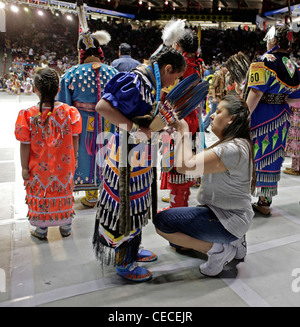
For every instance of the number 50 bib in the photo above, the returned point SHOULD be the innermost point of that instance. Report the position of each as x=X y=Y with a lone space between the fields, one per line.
x=257 y=74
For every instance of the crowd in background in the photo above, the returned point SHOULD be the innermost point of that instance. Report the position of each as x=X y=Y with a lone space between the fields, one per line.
x=30 y=43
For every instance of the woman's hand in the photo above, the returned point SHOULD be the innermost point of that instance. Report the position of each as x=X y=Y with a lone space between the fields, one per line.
x=25 y=174
x=146 y=131
x=181 y=126
x=143 y=134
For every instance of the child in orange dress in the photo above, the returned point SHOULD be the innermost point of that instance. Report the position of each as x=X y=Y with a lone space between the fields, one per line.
x=49 y=134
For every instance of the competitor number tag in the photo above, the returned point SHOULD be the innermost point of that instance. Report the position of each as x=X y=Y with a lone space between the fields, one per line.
x=257 y=74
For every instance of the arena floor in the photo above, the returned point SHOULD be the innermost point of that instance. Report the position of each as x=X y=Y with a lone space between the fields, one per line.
x=64 y=272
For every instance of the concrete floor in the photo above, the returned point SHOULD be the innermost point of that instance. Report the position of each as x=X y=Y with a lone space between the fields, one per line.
x=64 y=272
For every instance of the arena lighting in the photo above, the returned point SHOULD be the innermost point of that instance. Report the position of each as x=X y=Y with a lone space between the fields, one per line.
x=40 y=13
x=71 y=7
x=69 y=17
x=2 y=5
x=14 y=8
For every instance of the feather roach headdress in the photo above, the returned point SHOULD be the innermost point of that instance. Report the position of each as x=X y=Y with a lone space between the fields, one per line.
x=171 y=33
x=89 y=43
x=283 y=34
x=181 y=101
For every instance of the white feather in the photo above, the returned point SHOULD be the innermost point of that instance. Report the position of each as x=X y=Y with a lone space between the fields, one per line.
x=173 y=31
x=81 y=10
x=102 y=36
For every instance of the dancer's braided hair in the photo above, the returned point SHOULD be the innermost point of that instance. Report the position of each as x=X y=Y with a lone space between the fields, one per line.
x=238 y=66
x=46 y=80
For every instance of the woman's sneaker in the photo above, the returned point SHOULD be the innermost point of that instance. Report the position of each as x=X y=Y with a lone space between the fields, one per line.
x=241 y=248
x=218 y=260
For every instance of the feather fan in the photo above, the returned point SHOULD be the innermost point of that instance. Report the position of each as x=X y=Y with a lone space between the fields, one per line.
x=181 y=101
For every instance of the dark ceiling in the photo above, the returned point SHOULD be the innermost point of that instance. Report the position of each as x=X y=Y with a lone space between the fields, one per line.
x=234 y=10
x=191 y=10
x=194 y=5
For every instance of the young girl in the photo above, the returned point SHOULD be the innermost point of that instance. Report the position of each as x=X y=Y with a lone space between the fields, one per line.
x=49 y=134
x=219 y=225
x=125 y=193
x=180 y=184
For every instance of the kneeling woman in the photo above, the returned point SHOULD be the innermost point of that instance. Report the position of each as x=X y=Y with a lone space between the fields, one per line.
x=218 y=226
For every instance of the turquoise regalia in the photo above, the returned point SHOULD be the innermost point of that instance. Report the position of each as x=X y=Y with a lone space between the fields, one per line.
x=82 y=87
x=278 y=78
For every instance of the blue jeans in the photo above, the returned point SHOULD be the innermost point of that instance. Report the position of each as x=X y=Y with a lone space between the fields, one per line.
x=213 y=107
x=198 y=222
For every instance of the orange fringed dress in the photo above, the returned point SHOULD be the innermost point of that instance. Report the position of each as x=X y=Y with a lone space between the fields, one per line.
x=49 y=191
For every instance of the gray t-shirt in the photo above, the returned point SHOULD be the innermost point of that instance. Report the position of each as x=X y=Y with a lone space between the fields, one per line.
x=228 y=194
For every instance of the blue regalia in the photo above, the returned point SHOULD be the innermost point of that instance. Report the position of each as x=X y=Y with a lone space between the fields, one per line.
x=80 y=87
x=278 y=78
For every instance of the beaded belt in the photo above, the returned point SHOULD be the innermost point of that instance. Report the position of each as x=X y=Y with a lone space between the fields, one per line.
x=89 y=106
x=273 y=98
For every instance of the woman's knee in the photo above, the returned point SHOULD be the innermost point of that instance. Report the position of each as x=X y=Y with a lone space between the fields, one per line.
x=159 y=221
x=159 y=217
x=170 y=220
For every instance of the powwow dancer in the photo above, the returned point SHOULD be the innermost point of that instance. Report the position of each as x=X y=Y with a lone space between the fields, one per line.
x=125 y=202
x=128 y=189
x=82 y=86
x=274 y=83
x=179 y=184
x=49 y=134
